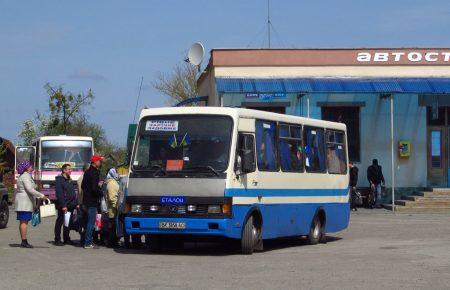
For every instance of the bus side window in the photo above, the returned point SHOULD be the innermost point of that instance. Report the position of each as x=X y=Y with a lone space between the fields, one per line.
x=290 y=148
x=266 y=145
x=336 y=155
x=315 y=159
x=245 y=155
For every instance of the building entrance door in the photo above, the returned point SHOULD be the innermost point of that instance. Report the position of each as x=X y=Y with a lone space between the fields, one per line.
x=437 y=161
x=438 y=153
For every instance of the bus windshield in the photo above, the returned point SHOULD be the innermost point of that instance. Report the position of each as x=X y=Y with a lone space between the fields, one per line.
x=187 y=144
x=55 y=153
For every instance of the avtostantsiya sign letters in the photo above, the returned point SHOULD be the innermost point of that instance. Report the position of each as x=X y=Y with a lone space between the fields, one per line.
x=402 y=56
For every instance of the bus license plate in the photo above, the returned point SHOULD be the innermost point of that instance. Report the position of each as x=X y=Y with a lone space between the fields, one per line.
x=172 y=225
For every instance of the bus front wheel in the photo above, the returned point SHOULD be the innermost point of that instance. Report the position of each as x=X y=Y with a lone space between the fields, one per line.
x=316 y=232
x=251 y=236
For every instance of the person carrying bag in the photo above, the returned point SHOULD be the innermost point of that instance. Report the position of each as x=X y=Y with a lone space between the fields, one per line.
x=66 y=202
x=25 y=200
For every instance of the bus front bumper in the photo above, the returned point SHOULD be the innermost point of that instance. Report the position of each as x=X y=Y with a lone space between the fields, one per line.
x=224 y=227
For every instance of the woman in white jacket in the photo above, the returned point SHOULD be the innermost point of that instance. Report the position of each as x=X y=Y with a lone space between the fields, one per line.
x=25 y=200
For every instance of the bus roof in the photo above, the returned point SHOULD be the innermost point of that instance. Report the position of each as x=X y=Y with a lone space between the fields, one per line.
x=240 y=112
x=65 y=138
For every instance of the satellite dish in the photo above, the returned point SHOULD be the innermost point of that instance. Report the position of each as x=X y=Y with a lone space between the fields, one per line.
x=196 y=54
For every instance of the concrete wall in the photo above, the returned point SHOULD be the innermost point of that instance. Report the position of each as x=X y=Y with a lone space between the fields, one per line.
x=409 y=124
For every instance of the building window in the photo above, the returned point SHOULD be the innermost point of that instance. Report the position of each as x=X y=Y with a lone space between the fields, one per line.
x=290 y=148
x=350 y=117
x=336 y=156
x=266 y=146
x=314 y=149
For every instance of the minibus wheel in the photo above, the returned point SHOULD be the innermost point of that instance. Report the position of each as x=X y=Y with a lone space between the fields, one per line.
x=316 y=231
x=251 y=236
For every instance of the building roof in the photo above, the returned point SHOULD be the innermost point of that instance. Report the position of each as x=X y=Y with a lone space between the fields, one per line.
x=327 y=57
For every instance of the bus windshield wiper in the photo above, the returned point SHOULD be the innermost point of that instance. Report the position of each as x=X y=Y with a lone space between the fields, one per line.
x=207 y=167
x=159 y=169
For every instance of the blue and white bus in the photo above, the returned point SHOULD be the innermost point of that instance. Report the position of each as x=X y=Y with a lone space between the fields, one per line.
x=236 y=173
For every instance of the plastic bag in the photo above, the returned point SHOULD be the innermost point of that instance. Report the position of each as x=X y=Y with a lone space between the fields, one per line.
x=103 y=206
x=75 y=221
x=67 y=216
x=98 y=222
x=35 y=219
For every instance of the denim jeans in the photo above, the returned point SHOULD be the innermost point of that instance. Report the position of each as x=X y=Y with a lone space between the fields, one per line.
x=91 y=215
x=378 y=194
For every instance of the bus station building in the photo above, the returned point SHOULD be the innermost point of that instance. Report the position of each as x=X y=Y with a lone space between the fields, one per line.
x=356 y=87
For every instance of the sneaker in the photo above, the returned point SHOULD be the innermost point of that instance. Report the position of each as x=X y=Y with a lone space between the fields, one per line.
x=90 y=247
x=58 y=243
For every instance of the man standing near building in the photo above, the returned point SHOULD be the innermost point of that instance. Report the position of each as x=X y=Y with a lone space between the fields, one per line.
x=376 y=178
x=66 y=201
x=92 y=192
x=352 y=184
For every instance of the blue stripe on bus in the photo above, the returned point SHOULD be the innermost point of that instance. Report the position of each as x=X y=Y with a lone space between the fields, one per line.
x=284 y=192
x=280 y=220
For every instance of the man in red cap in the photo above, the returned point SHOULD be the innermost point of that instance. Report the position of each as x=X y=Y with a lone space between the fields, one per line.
x=92 y=193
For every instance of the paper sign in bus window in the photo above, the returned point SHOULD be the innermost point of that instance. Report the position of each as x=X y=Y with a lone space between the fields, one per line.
x=162 y=126
x=174 y=165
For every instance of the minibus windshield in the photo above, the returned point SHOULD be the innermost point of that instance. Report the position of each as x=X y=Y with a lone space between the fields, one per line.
x=183 y=145
x=55 y=153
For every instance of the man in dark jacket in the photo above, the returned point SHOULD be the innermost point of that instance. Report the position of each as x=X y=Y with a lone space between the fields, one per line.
x=66 y=201
x=352 y=184
x=92 y=193
x=376 y=178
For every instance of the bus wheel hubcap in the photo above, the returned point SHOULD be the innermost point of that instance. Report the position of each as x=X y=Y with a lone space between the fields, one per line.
x=316 y=230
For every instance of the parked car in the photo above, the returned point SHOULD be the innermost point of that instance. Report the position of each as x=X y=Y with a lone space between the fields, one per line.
x=4 y=209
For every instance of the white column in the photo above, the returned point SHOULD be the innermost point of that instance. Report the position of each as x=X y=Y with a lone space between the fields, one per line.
x=307 y=106
x=392 y=154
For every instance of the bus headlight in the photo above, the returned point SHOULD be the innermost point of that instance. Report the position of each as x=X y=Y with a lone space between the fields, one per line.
x=191 y=208
x=214 y=209
x=154 y=208
x=136 y=208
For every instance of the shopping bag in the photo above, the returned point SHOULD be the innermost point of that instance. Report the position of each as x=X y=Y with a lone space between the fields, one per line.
x=35 y=219
x=98 y=222
x=67 y=216
x=75 y=220
x=47 y=209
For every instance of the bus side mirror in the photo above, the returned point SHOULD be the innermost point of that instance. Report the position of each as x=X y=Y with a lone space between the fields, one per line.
x=245 y=159
x=248 y=161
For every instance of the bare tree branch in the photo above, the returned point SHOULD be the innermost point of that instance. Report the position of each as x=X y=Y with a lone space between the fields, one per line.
x=179 y=85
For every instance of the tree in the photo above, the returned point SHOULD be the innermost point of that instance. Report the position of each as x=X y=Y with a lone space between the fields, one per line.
x=3 y=164
x=67 y=115
x=65 y=107
x=28 y=133
x=179 y=85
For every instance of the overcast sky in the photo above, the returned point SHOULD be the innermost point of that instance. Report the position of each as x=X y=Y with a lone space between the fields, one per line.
x=108 y=45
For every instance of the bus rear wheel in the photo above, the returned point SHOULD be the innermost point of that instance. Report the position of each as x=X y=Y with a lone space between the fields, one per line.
x=251 y=236
x=316 y=232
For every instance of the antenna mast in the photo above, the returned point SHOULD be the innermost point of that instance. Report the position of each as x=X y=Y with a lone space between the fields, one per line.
x=268 y=21
x=137 y=101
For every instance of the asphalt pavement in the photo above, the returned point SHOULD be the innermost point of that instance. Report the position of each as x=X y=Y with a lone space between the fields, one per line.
x=379 y=250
